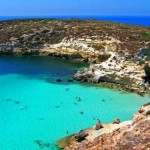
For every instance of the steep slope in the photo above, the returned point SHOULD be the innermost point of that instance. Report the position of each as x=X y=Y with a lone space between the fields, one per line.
x=118 y=52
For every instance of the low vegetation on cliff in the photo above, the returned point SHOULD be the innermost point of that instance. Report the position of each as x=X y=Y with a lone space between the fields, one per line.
x=35 y=32
x=119 y=54
x=118 y=51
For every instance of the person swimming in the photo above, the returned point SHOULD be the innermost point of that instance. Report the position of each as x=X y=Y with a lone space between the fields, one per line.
x=24 y=107
x=78 y=99
x=67 y=89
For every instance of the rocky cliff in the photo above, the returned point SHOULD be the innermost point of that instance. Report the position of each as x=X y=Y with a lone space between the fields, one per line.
x=118 y=53
x=73 y=36
x=128 y=135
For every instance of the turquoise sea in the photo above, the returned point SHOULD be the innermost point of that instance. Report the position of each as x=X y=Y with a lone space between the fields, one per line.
x=35 y=111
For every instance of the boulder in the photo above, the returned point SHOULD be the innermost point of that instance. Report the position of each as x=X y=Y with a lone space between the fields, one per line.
x=70 y=80
x=140 y=110
x=147 y=70
x=144 y=53
x=81 y=136
x=98 y=125
x=58 y=80
x=116 y=121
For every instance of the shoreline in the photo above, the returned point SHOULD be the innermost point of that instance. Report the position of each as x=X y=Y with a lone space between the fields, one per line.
x=103 y=84
x=113 y=135
x=119 y=57
x=109 y=85
x=117 y=53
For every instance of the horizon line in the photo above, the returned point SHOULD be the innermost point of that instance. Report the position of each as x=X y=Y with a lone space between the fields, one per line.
x=73 y=15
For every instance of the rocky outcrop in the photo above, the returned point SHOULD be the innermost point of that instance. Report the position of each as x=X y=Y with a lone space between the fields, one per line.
x=81 y=136
x=98 y=125
x=77 y=48
x=127 y=135
x=71 y=49
x=90 y=36
x=144 y=53
x=117 y=70
x=147 y=71
x=116 y=121
x=111 y=48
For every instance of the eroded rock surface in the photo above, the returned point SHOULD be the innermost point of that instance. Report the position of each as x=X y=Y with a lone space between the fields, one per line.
x=117 y=52
x=127 y=135
x=117 y=70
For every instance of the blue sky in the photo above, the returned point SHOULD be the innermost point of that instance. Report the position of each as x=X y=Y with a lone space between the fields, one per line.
x=74 y=7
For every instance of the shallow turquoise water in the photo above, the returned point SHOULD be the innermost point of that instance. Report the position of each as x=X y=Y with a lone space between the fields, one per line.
x=34 y=107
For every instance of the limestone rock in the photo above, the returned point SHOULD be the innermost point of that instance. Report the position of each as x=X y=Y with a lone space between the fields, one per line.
x=98 y=125
x=58 y=80
x=147 y=69
x=116 y=121
x=134 y=135
x=81 y=136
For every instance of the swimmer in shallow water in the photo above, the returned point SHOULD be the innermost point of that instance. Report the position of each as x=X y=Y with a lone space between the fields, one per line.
x=78 y=99
x=17 y=102
x=9 y=99
x=57 y=106
x=81 y=112
x=24 y=107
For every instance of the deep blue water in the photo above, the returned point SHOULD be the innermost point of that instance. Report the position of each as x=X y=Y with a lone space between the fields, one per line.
x=134 y=20
x=33 y=107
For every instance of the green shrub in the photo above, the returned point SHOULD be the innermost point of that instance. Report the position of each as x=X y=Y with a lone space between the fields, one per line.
x=146 y=34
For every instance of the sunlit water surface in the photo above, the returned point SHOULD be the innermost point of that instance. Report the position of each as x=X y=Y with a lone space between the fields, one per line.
x=35 y=109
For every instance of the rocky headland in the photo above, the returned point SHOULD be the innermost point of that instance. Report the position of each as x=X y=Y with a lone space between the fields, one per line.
x=128 y=135
x=119 y=54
